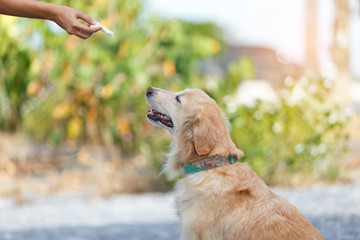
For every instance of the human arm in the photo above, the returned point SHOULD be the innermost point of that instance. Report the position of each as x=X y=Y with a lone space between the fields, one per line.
x=65 y=17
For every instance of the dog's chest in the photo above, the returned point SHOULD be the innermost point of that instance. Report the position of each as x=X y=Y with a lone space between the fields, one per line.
x=198 y=192
x=188 y=192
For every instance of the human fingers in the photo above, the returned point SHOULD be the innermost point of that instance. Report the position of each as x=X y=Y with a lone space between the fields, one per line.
x=82 y=34
x=87 y=28
x=83 y=16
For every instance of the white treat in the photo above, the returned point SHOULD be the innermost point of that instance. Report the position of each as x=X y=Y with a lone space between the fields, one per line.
x=104 y=29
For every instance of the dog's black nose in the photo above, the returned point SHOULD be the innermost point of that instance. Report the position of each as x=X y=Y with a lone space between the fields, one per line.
x=149 y=91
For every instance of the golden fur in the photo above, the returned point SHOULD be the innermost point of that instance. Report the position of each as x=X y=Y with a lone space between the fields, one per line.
x=225 y=203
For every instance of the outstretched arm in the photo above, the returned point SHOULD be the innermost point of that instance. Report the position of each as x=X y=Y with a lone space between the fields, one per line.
x=65 y=17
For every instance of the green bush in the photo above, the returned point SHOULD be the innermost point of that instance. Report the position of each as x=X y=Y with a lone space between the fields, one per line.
x=14 y=69
x=299 y=135
x=63 y=88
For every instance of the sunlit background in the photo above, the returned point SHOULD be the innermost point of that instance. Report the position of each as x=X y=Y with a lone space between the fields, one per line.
x=72 y=111
x=280 y=25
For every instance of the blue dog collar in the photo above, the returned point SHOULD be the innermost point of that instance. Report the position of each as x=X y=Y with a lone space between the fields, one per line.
x=209 y=163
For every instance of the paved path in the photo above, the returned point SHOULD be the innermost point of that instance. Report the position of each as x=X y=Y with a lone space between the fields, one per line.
x=334 y=210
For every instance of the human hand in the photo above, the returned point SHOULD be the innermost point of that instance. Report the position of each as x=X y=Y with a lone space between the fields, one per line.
x=67 y=18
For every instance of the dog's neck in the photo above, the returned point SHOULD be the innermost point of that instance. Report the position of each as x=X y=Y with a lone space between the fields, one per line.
x=183 y=153
x=209 y=163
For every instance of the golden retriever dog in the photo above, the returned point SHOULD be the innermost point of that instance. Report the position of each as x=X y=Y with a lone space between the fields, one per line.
x=219 y=197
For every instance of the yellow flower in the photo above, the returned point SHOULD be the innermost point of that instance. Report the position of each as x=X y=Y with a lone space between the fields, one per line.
x=123 y=124
x=169 y=68
x=33 y=88
x=214 y=46
x=74 y=128
x=61 y=110
x=107 y=91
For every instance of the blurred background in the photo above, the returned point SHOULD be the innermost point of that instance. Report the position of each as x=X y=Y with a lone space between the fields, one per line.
x=72 y=112
x=75 y=146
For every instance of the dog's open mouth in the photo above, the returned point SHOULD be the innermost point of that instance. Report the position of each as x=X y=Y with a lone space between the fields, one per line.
x=158 y=116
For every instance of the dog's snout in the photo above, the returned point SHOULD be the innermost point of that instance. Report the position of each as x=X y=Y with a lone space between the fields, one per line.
x=149 y=91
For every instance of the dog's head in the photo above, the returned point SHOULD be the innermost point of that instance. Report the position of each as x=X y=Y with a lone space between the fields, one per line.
x=196 y=123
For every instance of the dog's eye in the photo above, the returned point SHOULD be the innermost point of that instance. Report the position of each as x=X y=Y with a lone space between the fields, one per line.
x=178 y=99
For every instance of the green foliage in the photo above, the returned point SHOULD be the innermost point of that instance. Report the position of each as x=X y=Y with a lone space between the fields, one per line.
x=242 y=69
x=299 y=135
x=14 y=68
x=69 y=89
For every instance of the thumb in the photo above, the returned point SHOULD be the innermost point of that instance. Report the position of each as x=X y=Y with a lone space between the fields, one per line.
x=84 y=17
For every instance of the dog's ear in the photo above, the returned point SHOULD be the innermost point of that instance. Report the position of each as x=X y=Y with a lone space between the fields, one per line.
x=205 y=129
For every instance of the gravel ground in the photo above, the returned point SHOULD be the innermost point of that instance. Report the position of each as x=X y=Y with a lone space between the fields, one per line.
x=334 y=210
